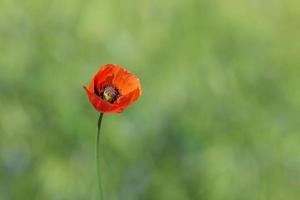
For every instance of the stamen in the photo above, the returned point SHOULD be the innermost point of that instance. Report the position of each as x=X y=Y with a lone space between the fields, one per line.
x=110 y=94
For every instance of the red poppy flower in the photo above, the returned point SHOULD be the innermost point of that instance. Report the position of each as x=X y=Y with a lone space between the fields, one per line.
x=113 y=88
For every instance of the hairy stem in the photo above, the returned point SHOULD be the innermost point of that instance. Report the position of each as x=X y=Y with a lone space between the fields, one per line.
x=98 y=157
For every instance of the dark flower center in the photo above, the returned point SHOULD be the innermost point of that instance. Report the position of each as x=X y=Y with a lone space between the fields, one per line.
x=108 y=93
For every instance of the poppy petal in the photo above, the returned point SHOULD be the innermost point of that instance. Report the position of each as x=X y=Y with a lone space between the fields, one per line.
x=129 y=98
x=125 y=81
x=104 y=73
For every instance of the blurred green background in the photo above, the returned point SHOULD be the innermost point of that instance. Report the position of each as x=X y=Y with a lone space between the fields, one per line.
x=219 y=115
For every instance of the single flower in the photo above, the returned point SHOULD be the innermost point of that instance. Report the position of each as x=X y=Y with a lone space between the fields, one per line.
x=113 y=88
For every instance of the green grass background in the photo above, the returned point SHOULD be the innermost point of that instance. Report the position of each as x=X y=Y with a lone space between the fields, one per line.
x=218 y=118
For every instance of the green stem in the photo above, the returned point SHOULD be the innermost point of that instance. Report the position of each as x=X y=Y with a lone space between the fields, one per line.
x=98 y=158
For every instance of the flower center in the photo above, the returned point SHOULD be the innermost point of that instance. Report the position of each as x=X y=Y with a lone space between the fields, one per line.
x=110 y=94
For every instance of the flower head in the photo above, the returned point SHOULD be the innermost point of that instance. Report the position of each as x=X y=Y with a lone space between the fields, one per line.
x=113 y=88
